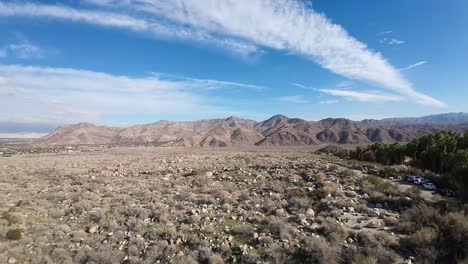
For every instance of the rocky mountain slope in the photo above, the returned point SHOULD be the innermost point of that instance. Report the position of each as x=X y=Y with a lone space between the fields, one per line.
x=83 y=133
x=279 y=130
x=441 y=119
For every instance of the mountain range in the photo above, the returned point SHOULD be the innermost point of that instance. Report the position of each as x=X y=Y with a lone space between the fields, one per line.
x=441 y=119
x=278 y=130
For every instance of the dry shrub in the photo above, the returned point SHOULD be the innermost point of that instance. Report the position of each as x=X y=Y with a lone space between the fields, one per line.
x=391 y=221
x=10 y=218
x=418 y=217
x=350 y=173
x=244 y=230
x=330 y=188
x=333 y=231
x=250 y=257
x=275 y=254
x=60 y=255
x=215 y=259
x=102 y=256
x=413 y=192
x=319 y=176
x=435 y=237
x=276 y=227
x=318 y=250
x=185 y=260
x=376 y=246
x=361 y=259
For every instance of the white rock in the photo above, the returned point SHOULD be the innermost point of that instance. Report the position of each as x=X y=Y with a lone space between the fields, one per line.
x=310 y=212
x=280 y=212
x=374 y=224
x=93 y=229
x=208 y=174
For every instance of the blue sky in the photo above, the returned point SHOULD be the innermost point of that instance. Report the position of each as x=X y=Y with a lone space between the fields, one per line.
x=126 y=62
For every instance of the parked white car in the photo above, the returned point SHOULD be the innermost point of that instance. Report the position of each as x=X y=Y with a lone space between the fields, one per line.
x=420 y=180
x=429 y=186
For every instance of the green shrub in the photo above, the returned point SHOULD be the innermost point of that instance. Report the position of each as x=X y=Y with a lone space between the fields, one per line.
x=374 y=180
x=14 y=234
x=390 y=172
x=350 y=173
x=381 y=185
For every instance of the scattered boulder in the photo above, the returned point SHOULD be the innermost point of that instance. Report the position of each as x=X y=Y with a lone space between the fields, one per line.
x=374 y=224
x=93 y=229
x=310 y=213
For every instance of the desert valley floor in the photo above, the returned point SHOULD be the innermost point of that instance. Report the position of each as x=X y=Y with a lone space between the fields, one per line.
x=195 y=205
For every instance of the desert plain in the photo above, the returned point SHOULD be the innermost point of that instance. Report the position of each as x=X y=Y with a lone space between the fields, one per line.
x=101 y=204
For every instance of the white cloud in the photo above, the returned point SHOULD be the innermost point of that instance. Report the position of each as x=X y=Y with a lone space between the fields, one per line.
x=292 y=99
x=245 y=25
x=344 y=84
x=94 y=17
x=112 y=19
x=61 y=95
x=370 y=96
x=417 y=64
x=25 y=50
x=329 y=102
x=392 y=41
x=222 y=84
x=3 y=81
x=22 y=50
x=387 y=32
x=298 y=85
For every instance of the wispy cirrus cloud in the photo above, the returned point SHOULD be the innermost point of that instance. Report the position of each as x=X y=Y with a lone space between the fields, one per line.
x=368 y=96
x=417 y=64
x=386 y=32
x=22 y=50
x=212 y=84
x=344 y=84
x=392 y=41
x=64 y=95
x=154 y=27
x=246 y=26
x=298 y=85
x=292 y=99
x=389 y=40
x=329 y=102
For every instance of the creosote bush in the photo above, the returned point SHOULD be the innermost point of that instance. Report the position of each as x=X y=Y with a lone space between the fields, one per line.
x=435 y=236
x=14 y=234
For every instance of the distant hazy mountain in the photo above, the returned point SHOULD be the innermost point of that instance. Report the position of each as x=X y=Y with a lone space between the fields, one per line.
x=441 y=119
x=279 y=130
x=24 y=127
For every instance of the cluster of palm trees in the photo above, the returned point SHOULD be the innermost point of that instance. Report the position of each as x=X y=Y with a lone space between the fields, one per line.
x=442 y=152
